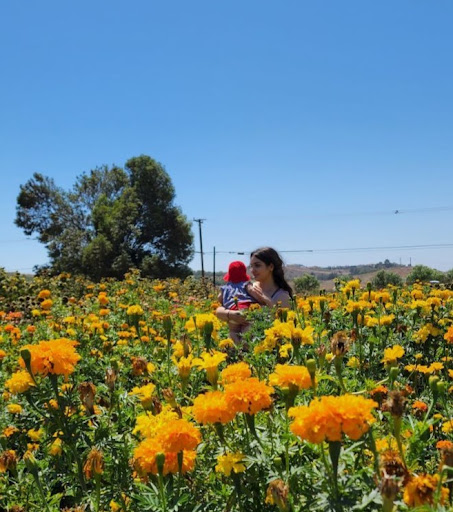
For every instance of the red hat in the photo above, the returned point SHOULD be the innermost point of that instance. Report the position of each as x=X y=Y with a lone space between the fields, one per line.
x=236 y=272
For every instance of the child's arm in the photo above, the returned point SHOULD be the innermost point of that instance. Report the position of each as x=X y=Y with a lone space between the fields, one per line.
x=258 y=295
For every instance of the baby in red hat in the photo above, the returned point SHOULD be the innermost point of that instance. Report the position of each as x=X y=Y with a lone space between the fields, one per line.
x=238 y=293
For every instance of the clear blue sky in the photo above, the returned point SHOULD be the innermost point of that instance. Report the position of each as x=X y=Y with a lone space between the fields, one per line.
x=296 y=124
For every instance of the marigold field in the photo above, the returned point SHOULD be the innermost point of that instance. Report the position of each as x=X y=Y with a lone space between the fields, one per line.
x=129 y=396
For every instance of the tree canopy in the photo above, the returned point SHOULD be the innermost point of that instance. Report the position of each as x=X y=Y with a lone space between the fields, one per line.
x=112 y=220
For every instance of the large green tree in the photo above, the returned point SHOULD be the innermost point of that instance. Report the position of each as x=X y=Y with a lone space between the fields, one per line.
x=113 y=219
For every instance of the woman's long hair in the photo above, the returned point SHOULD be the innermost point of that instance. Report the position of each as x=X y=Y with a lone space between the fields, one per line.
x=268 y=255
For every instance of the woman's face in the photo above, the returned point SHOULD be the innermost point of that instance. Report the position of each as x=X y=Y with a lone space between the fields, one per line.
x=260 y=271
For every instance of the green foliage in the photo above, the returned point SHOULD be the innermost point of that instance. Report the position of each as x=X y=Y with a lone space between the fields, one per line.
x=424 y=274
x=112 y=220
x=383 y=278
x=306 y=284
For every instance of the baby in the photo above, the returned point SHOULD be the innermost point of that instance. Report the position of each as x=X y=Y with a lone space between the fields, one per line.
x=238 y=293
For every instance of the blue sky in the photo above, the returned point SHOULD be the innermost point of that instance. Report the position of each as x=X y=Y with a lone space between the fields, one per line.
x=301 y=125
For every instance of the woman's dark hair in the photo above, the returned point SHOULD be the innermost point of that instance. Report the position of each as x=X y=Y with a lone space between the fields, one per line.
x=268 y=255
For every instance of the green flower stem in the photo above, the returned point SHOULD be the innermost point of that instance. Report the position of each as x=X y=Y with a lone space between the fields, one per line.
x=98 y=491
x=41 y=490
x=334 y=452
x=338 y=363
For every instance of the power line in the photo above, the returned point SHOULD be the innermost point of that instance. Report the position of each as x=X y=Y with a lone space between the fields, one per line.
x=350 y=249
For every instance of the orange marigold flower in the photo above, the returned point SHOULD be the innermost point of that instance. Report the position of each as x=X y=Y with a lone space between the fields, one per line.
x=46 y=304
x=212 y=407
x=418 y=405
x=421 y=490
x=249 y=395
x=448 y=336
x=2 y=354
x=234 y=372
x=292 y=377
x=178 y=435
x=328 y=418
x=145 y=458
x=56 y=357
x=44 y=294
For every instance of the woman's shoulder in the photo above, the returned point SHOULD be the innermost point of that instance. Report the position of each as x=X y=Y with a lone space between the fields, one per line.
x=282 y=296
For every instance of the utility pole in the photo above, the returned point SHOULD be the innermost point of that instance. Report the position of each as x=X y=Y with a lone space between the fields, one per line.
x=213 y=266
x=200 y=222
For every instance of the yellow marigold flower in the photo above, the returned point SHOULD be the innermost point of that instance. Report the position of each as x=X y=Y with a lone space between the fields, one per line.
x=210 y=363
x=353 y=362
x=382 y=296
x=35 y=435
x=353 y=306
x=230 y=462
x=302 y=336
x=386 y=444
x=212 y=407
x=56 y=357
x=392 y=354
x=55 y=449
x=290 y=377
x=234 y=372
x=447 y=427
x=371 y=321
x=44 y=294
x=145 y=394
x=114 y=506
x=94 y=465
x=19 y=382
x=421 y=490
x=249 y=395
x=184 y=366
x=201 y=320
x=135 y=310
x=178 y=435
x=227 y=343
x=149 y=425
x=386 y=320
x=14 y=408
x=435 y=367
x=285 y=349
x=328 y=418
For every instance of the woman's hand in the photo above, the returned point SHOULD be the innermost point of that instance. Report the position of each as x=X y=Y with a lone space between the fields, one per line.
x=229 y=315
x=258 y=295
x=236 y=317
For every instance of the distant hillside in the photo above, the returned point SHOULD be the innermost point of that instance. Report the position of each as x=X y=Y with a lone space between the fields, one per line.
x=326 y=275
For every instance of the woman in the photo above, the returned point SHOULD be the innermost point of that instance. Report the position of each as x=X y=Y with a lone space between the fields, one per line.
x=266 y=266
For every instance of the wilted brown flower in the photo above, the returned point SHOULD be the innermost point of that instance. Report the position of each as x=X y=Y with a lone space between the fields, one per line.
x=87 y=392
x=94 y=465
x=277 y=494
x=339 y=344
x=139 y=365
x=395 y=404
x=110 y=378
x=8 y=461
